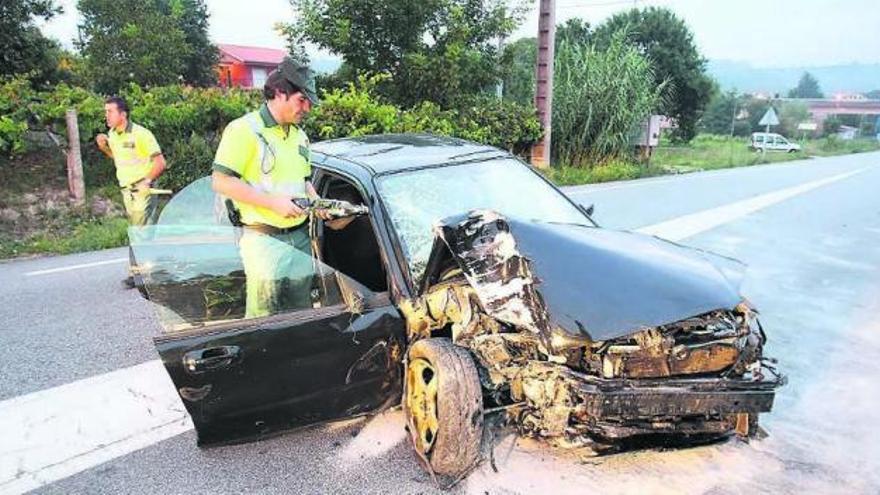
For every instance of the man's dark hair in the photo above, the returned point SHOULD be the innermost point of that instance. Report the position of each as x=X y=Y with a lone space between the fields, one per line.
x=277 y=82
x=120 y=103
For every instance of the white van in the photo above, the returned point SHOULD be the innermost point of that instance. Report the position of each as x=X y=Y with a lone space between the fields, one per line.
x=769 y=141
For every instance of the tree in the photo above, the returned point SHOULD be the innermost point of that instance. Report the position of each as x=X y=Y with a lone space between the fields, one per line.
x=435 y=50
x=518 y=62
x=873 y=94
x=518 y=71
x=719 y=115
x=150 y=42
x=599 y=99
x=808 y=87
x=669 y=45
x=203 y=58
x=23 y=49
x=573 y=31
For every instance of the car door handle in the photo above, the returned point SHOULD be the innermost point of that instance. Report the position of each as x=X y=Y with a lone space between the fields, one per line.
x=201 y=360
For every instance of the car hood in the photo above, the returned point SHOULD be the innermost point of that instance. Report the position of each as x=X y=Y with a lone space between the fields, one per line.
x=579 y=283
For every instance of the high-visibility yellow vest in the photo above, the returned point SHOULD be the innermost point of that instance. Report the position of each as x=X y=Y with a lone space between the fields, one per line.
x=270 y=157
x=133 y=151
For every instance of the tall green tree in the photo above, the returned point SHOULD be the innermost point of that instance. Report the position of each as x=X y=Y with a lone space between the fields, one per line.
x=807 y=87
x=518 y=71
x=192 y=18
x=791 y=115
x=435 y=50
x=574 y=31
x=150 y=42
x=724 y=111
x=23 y=49
x=669 y=44
x=518 y=62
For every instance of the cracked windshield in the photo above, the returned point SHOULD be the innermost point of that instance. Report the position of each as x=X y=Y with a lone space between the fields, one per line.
x=417 y=200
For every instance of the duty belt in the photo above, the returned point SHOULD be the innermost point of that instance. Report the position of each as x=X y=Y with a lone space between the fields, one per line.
x=270 y=230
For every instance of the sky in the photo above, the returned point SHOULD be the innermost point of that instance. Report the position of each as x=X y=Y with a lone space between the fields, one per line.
x=763 y=33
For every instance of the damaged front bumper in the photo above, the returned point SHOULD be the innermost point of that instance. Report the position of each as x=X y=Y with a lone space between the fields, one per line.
x=557 y=401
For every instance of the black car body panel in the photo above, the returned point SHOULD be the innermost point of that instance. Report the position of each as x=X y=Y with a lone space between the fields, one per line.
x=588 y=277
x=248 y=381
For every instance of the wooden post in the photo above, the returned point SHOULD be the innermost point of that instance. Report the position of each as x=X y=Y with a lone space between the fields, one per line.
x=75 y=183
x=544 y=72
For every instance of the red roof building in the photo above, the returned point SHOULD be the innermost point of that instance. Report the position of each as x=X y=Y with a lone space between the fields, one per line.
x=246 y=66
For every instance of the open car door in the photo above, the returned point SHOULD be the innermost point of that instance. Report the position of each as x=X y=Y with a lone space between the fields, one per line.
x=336 y=356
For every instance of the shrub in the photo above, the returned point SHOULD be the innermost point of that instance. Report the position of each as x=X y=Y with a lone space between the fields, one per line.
x=507 y=125
x=353 y=111
x=427 y=117
x=12 y=135
x=16 y=96
x=192 y=159
x=188 y=122
x=600 y=98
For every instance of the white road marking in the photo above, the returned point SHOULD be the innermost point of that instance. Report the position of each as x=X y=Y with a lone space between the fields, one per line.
x=696 y=223
x=379 y=435
x=58 y=432
x=75 y=267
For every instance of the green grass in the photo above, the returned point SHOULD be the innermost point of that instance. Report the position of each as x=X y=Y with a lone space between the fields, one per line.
x=832 y=146
x=705 y=152
x=34 y=186
x=88 y=235
x=616 y=170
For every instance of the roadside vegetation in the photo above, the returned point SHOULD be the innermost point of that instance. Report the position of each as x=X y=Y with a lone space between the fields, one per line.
x=436 y=69
x=38 y=217
x=707 y=152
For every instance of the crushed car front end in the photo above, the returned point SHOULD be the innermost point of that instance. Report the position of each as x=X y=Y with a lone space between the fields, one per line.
x=588 y=336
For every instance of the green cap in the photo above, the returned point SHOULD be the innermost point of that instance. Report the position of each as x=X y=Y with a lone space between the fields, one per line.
x=299 y=75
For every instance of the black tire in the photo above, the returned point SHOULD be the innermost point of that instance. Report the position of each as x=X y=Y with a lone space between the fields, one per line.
x=455 y=446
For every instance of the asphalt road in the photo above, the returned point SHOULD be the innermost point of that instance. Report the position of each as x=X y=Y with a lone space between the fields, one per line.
x=814 y=273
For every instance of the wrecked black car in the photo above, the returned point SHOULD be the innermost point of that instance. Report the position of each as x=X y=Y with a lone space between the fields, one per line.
x=470 y=285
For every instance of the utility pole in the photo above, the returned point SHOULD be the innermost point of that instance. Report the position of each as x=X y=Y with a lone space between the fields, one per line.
x=544 y=89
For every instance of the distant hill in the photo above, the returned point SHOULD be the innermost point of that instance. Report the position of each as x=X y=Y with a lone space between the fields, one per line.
x=851 y=78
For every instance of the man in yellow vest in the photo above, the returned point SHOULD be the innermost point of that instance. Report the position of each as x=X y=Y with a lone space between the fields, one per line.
x=262 y=163
x=138 y=161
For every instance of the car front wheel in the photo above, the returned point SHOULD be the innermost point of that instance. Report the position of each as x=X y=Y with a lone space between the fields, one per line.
x=443 y=404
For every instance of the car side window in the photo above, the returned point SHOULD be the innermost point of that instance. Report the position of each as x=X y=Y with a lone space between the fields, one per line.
x=353 y=248
x=200 y=272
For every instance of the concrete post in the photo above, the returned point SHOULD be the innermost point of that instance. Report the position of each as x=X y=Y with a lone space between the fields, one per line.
x=75 y=183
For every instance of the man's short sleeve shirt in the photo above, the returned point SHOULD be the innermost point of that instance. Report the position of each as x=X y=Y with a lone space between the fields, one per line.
x=270 y=158
x=133 y=151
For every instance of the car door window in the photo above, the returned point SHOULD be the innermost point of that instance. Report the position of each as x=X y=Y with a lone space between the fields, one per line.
x=196 y=269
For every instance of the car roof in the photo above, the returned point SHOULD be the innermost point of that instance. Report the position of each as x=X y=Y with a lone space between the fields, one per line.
x=386 y=153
